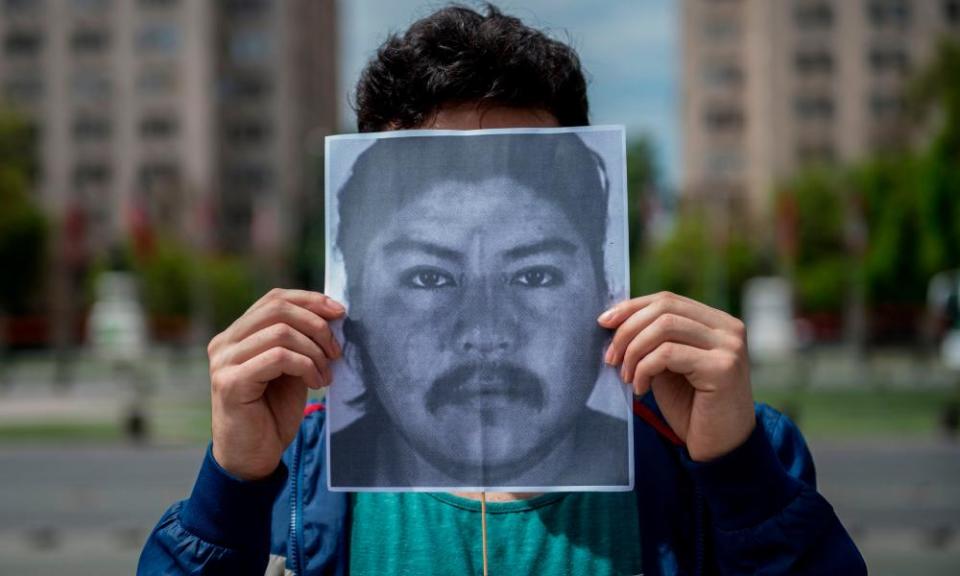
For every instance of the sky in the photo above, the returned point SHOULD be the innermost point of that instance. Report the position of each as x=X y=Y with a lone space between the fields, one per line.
x=629 y=48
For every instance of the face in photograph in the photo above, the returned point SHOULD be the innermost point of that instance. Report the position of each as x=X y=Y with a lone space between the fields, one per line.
x=474 y=274
x=479 y=303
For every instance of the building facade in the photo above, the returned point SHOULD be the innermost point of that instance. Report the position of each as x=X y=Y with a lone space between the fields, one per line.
x=187 y=119
x=190 y=118
x=772 y=87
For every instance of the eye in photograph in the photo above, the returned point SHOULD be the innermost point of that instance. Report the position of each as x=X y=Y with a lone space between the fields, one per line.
x=537 y=277
x=428 y=278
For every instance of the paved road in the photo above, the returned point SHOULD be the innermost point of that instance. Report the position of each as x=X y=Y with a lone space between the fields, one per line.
x=87 y=510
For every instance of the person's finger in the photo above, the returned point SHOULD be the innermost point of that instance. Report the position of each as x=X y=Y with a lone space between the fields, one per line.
x=705 y=370
x=641 y=320
x=275 y=362
x=668 y=328
x=283 y=311
x=316 y=302
x=667 y=302
x=280 y=334
x=246 y=382
x=678 y=358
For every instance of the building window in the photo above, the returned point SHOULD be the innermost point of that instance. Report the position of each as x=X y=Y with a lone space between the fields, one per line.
x=91 y=86
x=813 y=107
x=884 y=13
x=813 y=62
x=889 y=59
x=726 y=163
x=21 y=6
x=951 y=12
x=236 y=220
x=723 y=118
x=723 y=75
x=721 y=30
x=91 y=6
x=886 y=106
x=91 y=175
x=159 y=175
x=158 y=127
x=23 y=89
x=157 y=80
x=158 y=3
x=88 y=40
x=22 y=43
x=815 y=153
x=245 y=87
x=249 y=47
x=244 y=7
x=158 y=38
x=91 y=128
x=247 y=132
x=813 y=16
x=247 y=177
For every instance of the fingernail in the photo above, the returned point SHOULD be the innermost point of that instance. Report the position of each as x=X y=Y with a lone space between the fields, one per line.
x=623 y=376
x=608 y=356
x=337 y=307
x=607 y=316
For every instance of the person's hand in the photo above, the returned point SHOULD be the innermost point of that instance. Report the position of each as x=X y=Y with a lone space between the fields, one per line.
x=260 y=369
x=694 y=358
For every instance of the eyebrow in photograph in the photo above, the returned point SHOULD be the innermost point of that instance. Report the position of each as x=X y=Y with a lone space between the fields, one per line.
x=555 y=245
x=406 y=244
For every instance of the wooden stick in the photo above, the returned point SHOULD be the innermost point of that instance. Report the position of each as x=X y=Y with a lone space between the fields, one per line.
x=483 y=528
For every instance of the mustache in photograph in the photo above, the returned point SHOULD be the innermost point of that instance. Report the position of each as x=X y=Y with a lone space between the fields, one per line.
x=463 y=383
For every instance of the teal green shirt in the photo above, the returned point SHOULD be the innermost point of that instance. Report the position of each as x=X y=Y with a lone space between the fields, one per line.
x=595 y=533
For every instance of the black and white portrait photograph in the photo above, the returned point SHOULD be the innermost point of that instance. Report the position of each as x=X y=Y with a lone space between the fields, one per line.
x=474 y=265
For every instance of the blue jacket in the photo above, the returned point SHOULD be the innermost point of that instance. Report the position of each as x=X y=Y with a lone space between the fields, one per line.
x=753 y=511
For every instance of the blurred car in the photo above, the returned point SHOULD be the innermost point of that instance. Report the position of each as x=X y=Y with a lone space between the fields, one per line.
x=943 y=298
x=769 y=316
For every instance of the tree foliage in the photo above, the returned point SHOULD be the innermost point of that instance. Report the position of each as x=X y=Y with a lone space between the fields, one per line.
x=24 y=230
x=819 y=262
x=908 y=205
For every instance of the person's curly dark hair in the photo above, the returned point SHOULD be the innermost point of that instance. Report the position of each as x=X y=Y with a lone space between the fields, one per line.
x=459 y=55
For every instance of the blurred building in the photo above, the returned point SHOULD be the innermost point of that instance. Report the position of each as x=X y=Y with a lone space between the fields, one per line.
x=179 y=116
x=183 y=118
x=275 y=66
x=772 y=86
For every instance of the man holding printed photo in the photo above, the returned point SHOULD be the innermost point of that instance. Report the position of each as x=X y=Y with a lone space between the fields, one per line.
x=726 y=487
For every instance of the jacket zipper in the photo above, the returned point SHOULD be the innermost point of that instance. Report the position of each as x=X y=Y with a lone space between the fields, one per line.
x=295 y=508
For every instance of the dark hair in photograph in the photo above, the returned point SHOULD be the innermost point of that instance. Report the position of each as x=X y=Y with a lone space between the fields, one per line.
x=458 y=55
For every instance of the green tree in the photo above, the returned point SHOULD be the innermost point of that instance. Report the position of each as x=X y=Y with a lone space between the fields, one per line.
x=891 y=192
x=682 y=262
x=935 y=98
x=642 y=181
x=167 y=276
x=175 y=282
x=907 y=202
x=24 y=230
x=230 y=285
x=819 y=263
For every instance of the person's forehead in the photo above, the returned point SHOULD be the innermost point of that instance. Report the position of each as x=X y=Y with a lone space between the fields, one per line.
x=494 y=203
